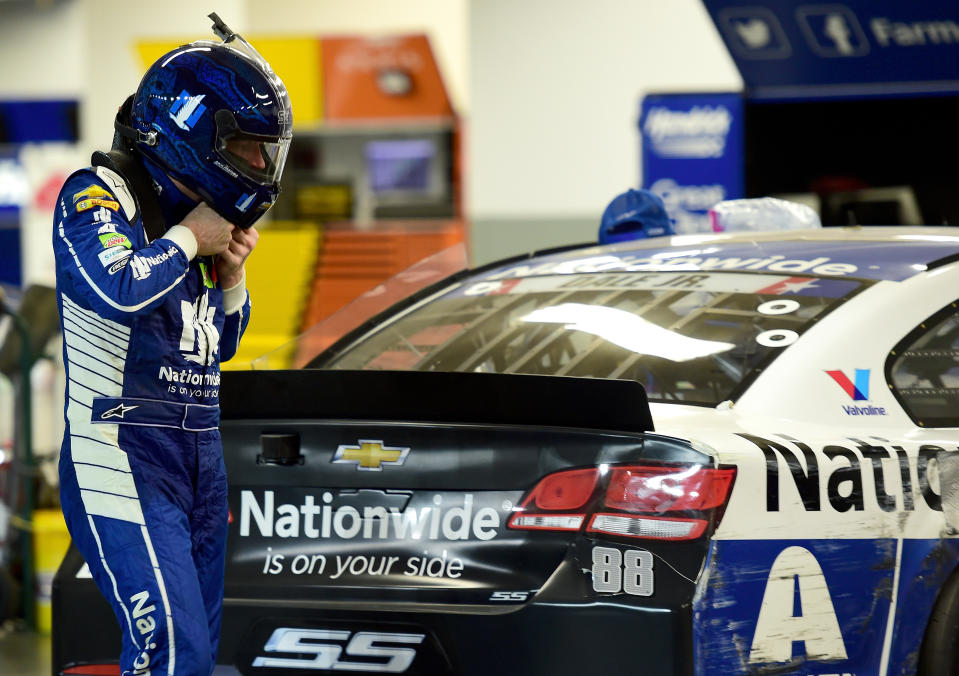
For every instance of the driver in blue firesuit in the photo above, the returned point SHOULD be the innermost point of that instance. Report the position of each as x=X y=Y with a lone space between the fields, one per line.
x=151 y=243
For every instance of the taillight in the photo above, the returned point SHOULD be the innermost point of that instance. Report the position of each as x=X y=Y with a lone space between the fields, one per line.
x=565 y=490
x=93 y=670
x=667 y=489
x=650 y=501
x=557 y=493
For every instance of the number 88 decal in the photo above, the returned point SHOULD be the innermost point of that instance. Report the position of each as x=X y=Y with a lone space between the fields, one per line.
x=614 y=571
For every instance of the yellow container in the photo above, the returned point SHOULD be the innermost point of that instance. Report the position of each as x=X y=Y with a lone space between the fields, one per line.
x=296 y=59
x=50 y=543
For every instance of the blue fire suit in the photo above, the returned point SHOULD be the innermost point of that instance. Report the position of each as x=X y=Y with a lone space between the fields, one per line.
x=143 y=484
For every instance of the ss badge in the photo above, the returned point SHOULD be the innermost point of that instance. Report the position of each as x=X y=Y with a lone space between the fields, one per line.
x=325 y=646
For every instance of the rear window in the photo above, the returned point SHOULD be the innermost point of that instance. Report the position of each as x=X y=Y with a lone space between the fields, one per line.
x=691 y=337
x=924 y=371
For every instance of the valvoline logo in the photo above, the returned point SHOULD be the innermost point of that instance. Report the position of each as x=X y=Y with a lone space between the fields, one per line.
x=858 y=390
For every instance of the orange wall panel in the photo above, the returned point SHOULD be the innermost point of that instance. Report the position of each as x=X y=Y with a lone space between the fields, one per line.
x=364 y=78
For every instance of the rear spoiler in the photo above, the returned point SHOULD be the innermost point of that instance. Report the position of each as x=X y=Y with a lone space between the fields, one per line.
x=430 y=396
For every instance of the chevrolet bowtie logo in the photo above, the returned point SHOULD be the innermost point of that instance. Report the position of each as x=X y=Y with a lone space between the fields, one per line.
x=117 y=411
x=371 y=455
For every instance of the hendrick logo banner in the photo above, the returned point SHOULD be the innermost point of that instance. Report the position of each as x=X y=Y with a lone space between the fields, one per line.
x=692 y=154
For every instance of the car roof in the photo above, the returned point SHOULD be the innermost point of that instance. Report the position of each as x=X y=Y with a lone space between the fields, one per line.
x=872 y=252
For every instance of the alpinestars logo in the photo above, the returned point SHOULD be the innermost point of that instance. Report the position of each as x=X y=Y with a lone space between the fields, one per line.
x=199 y=340
x=117 y=411
x=858 y=390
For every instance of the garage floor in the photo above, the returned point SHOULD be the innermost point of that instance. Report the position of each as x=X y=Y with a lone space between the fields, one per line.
x=24 y=653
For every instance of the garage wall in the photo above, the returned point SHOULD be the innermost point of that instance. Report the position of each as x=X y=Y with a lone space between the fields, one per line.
x=85 y=48
x=555 y=87
x=113 y=69
x=549 y=89
x=444 y=21
x=27 y=33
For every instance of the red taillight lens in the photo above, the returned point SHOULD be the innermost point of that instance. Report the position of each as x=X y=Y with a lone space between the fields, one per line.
x=667 y=489
x=93 y=670
x=565 y=490
x=650 y=501
x=552 y=504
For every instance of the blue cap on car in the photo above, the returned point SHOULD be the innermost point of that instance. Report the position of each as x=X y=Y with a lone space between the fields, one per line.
x=634 y=214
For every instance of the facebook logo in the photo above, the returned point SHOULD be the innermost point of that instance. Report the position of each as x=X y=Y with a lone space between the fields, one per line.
x=832 y=31
x=754 y=33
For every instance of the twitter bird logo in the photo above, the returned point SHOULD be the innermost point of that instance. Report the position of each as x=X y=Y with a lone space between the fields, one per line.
x=754 y=33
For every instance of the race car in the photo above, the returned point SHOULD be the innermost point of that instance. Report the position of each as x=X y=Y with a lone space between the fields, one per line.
x=708 y=454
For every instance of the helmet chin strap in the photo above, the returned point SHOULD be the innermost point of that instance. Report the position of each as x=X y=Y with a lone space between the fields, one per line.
x=186 y=191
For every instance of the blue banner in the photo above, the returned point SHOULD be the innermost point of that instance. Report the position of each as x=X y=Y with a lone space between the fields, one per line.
x=784 y=49
x=33 y=121
x=14 y=191
x=692 y=153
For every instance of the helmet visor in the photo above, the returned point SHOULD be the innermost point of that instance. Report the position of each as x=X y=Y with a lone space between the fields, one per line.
x=258 y=157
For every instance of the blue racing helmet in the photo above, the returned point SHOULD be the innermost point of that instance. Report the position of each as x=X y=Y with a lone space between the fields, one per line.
x=634 y=214
x=214 y=116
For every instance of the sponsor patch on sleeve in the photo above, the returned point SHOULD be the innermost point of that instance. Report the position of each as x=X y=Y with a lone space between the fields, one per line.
x=111 y=255
x=111 y=239
x=120 y=264
x=83 y=205
x=92 y=192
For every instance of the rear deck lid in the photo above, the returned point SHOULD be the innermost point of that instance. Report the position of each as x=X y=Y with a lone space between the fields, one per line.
x=444 y=488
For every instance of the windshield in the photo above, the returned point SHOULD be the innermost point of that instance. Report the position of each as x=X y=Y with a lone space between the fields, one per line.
x=692 y=337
